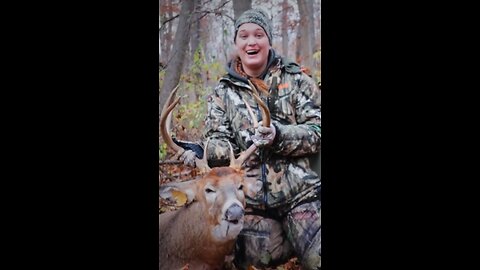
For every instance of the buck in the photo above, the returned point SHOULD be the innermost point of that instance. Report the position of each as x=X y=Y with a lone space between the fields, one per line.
x=203 y=232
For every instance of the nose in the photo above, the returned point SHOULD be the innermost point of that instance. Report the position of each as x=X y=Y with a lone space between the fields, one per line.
x=251 y=41
x=234 y=213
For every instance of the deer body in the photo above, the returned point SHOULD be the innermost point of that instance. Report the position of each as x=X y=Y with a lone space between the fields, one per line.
x=189 y=242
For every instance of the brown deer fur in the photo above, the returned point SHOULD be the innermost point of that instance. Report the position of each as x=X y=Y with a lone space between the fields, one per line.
x=187 y=235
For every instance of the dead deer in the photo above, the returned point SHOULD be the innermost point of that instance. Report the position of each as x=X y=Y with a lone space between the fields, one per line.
x=203 y=232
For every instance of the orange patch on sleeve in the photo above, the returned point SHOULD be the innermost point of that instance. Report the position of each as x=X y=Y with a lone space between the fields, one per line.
x=282 y=85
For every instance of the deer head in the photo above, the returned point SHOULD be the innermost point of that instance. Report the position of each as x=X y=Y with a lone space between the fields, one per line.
x=219 y=196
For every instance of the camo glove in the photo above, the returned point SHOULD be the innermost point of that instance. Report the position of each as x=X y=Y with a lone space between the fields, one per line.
x=188 y=157
x=264 y=136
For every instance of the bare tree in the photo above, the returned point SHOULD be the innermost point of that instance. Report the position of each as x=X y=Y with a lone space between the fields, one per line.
x=285 y=8
x=196 y=30
x=304 y=50
x=239 y=6
x=166 y=17
x=180 y=47
x=311 y=25
x=195 y=41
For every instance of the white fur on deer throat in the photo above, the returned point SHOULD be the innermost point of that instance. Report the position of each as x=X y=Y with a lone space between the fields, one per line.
x=226 y=230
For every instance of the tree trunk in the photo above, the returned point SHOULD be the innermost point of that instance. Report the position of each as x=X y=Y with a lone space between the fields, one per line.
x=318 y=28
x=239 y=6
x=285 y=8
x=303 y=39
x=298 y=44
x=170 y=31
x=180 y=46
x=166 y=30
x=195 y=45
x=163 y=34
x=195 y=36
x=311 y=25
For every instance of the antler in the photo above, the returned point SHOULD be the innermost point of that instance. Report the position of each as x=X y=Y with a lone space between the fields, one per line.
x=263 y=107
x=170 y=104
x=167 y=108
x=237 y=162
x=202 y=164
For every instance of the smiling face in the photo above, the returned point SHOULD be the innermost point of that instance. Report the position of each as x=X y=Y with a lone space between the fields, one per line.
x=252 y=46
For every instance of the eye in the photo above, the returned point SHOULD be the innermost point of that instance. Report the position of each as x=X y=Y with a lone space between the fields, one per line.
x=209 y=190
x=240 y=187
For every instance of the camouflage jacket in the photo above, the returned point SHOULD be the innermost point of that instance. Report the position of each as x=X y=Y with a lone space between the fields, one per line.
x=283 y=173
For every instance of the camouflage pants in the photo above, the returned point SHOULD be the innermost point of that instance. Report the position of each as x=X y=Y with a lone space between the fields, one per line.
x=266 y=242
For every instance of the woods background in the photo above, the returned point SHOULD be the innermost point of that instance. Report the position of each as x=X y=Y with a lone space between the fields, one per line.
x=196 y=41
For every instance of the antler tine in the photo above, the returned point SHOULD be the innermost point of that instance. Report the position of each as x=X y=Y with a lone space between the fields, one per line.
x=263 y=107
x=266 y=120
x=202 y=164
x=169 y=102
x=237 y=163
x=167 y=109
x=170 y=97
x=233 y=160
x=252 y=115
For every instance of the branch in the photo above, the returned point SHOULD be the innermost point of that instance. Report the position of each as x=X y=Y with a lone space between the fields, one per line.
x=167 y=21
x=170 y=162
x=203 y=13
x=216 y=11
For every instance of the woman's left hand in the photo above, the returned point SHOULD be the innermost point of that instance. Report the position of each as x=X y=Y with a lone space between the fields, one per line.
x=264 y=136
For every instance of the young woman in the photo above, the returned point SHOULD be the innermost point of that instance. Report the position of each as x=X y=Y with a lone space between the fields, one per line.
x=284 y=216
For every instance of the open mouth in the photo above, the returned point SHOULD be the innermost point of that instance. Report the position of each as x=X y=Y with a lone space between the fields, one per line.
x=228 y=229
x=252 y=52
x=235 y=221
x=232 y=221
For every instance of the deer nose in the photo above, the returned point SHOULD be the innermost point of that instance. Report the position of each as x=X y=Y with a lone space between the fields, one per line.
x=234 y=213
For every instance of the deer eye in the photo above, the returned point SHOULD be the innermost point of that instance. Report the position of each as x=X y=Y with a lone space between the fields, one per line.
x=209 y=190
x=240 y=187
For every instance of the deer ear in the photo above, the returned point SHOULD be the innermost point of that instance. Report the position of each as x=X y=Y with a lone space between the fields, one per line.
x=179 y=193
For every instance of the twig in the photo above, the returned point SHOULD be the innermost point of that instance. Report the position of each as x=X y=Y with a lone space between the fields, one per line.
x=170 y=162
x=215 y=11
x=168 y=20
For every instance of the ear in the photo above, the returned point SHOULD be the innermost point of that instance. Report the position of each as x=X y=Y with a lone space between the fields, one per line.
x=179 y=193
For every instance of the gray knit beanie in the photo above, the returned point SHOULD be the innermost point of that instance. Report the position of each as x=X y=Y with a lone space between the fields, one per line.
x=256 y=16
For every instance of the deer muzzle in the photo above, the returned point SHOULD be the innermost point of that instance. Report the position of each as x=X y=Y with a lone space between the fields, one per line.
x=234 y=213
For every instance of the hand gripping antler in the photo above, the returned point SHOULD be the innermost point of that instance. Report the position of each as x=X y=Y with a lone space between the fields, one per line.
x=263 y=107
x=202 y=164
x=237 y=162
x=170 y=104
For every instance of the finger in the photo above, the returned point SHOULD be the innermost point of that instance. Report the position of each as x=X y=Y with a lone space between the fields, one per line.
x=179 y=154
x=188 y=155
x=264 y=130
